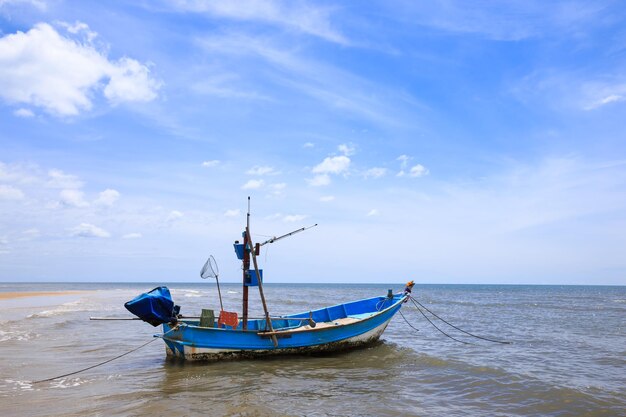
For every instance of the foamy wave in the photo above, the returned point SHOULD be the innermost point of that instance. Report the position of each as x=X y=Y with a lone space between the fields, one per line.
x=19 y=385
x=70 y=307
x=68 y=383
x=17 y=335
x=232 y=292
x=193 y=295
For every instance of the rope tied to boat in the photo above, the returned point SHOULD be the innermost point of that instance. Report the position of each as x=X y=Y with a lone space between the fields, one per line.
x=109 y=360
x=417 y=305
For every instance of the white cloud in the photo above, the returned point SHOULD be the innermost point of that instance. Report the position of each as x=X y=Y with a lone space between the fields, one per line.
x=319 y=180
x=404 y=160
x=332 y=165
x=373 y=212
x=346 y=149
x=612 y=98
x=277 y=189
x=327 y=198
x=253 y=185
x=89 y=230
x=308 y=145
x=210 y=164
x=274 y=216
x=296 y=16
x=60 y=74
x=58 y=179
x=107 y=197
x=232 y=213
x=262 y=170
x=292 y=218
x=73 y=198
x=418 y=171
x=508 y=21
x=8 y=192
x=24 y=113
x=375 y=172
x=38 y=4
x=132 y=236
x=174 y=215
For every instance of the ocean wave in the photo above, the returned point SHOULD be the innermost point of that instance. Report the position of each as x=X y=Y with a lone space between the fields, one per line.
x=17 y=335
x=68 y=383
x=70 y=307
x=19 y=385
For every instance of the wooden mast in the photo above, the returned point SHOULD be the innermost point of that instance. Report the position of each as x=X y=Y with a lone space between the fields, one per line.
x=246 y=268
x=249 y=248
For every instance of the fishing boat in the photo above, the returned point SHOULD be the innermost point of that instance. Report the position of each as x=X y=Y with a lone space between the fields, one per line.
x=207 y=338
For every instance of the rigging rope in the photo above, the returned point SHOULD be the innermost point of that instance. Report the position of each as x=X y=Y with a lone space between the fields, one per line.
x=407 y=322
x=105 y=362
x=435 y=326
x=455 y=327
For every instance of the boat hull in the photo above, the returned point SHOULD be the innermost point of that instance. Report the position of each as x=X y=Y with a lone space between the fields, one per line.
x=193 y=343
x=194 y=353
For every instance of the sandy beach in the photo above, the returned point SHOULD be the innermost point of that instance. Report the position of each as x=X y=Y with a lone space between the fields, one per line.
x=23 y=294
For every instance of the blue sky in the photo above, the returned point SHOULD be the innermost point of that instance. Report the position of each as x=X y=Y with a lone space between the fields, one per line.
x=442 y=141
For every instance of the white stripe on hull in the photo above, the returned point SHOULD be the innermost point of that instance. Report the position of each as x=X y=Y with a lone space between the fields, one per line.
x=209 y=354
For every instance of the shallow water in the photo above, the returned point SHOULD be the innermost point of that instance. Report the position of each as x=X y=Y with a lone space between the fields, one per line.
x=567 y=357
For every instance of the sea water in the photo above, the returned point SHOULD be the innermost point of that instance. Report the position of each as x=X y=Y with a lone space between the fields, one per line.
x=567 y=355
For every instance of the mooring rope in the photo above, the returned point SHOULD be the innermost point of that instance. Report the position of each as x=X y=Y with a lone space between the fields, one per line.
x=435 y=326
x=415 y=302
x=105 y=362
x=407 y=322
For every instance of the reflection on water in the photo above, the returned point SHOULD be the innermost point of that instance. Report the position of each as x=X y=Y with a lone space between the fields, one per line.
x=567 y=357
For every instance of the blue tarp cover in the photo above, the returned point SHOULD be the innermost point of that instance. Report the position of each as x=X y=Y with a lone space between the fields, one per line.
x=155 y=307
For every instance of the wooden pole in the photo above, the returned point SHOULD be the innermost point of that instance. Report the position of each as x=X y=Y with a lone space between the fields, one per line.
x=246 y=267
x=258 y=275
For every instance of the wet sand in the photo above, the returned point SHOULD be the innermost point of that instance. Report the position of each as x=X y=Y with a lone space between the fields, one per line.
x=13 y=295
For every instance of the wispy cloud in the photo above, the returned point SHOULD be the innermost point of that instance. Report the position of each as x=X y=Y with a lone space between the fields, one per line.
x=89 y=230
x=300 y=17
x=107 y=197
x=8 y=192
x=132 y=236
x=292 y=218
x=59 y=179
x=73 y=198
x=232 y=213
x=332 y=165
x=174 y=215
x=504 y=21
x=418 y=171
x=211 y=163
x=347 y=149
x=319 y=180
x=253 y=185
x=262 y=170
x=338 y=89
x=564 y=90
x=24 y=113
x=375 y=172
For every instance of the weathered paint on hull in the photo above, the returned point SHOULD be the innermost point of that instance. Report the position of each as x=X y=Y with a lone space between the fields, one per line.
x=192 y=353
x=339 y=327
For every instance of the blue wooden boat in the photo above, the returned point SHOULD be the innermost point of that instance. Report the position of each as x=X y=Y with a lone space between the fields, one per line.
x=338 y=327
